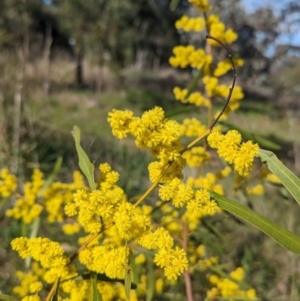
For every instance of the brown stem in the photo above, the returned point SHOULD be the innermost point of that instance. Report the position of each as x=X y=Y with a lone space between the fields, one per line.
x=188 y=286
x=233 y=81
x=85 y=244
x=154 y=185
x=74 y=256
x=187 y=276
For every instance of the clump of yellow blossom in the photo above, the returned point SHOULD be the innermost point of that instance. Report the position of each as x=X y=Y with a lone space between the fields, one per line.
x=29 y=284
x=194 y=98
x=225 y=287
x=202 y=5
x=58 y=194
x=109 y=258
x=8 y=183
x=192 y=127
x=185 y=56
x=188 y=24
x=224 y=66
x=255 y=190
x=233 y=151
x=130 y=222
x=172 y=260
x=158 y=134
x=71 y=229
x=198 y=203
x=102 y=203
x=196 y=156
x=207 y=181
x=26 y=207
x=48 y=253
x=218 y=30
x=272 y=178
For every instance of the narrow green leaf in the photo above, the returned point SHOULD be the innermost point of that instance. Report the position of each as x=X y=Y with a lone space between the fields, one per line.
x=34 y=229
x=84 y=163
x=262 y=141
x=287 y=178
x=127 y=282
x=102 y=277
x=174 y=4
x=192 y=86
x=96 y=296
x=7 y=298
x=150 y=279
x=284 y=237
x=180 y=111
x=55 y=293
x=52 y=176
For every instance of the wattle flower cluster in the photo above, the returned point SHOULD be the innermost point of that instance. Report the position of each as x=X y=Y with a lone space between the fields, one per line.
x=158 y=134
x=27 y=209
x=188 y=24
x=172 y=259
x=108 y=204
x=92 y=207
x=192 y=127
x=195 y=98
x=49 y=254
x=188 y=56
x=35 y=199
x=202 y=5
x=224 y=287
x=233 y=151
x=8 y=183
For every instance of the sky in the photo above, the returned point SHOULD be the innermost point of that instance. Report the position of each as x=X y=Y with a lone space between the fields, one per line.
x=294 y=36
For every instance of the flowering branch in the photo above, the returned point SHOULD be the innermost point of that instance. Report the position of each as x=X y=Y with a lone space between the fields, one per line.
x=233 y=81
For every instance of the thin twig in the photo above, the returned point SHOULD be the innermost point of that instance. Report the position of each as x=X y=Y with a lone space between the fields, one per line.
x=233 y=81
x=74 y=256
x=186 y=274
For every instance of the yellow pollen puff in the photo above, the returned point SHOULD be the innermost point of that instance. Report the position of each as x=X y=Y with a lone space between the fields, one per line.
x=176 y=191
x=140 y=259
x=108 y=258
x=119 y=122
x=211 y=84
x=31 y=298
x=8 y=183
x=173 y=261
x=130 y=223
x=192 y=127
x=198 y=59
x=194 y=98
x=201 y=251
x=159 y=285
x=26 y=207
x=163 y=239
x=184 y=56
x=212 y=19
x=71 y=229
x=272 y=178
x=224 y=287
x=181 y=56
x=202 y=5
x=218 y=30
x=231 y=149
x=188 y=24
x=255 y=190
x=35 y=287
x=196 y=156
x=174 y=171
